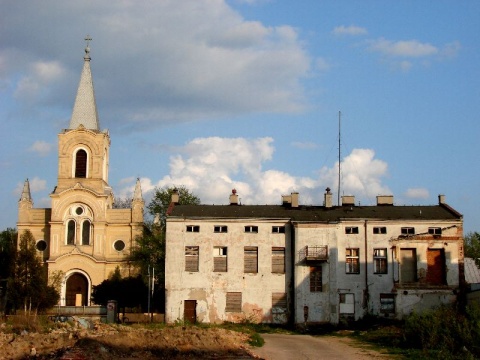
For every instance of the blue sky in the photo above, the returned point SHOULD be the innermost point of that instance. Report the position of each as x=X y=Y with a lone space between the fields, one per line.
x=216 y=95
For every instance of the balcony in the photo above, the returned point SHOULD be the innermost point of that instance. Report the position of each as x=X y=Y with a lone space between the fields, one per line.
x=314 y=254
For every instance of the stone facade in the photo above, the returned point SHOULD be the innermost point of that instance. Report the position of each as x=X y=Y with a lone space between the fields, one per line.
x=82 y=236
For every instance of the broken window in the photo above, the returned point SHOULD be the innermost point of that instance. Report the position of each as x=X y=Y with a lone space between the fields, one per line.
x=315 y=279
x=251 y=229
x=352 y=261
x=278 y=229
x=220 y=259
x=435 y=231
x=379 y=230
x=408 y=265
x=279 y=301
x=351 y=230
x=278 y=260
x=220 y=228
x=250 y=259
x=191 y=258
x=408 y=230
x=193 y=228
x=380 y=264
x=233 y=302
x=387 y=303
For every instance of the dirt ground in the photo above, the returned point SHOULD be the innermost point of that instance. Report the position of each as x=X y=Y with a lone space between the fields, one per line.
x=105 y=342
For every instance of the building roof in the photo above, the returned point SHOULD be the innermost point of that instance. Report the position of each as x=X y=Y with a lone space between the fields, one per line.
x=85 y=108
x=472 y=272
x=317 y=213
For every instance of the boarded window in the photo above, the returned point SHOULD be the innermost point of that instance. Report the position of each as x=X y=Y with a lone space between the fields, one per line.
x=436 y=267
x=279 y=300
x=278 y=229
x=86 y=232
x=71 y=232
x=250 y=259
x=278 y=260
x=347 y=304
x=191 y=258
x=380 y=261
x=379 y=230
x=351 y=230
x=387 y=303
x=220 y=259
x=408 y=265
x=233 y=302
x=352 y=261
x=193 y=228
x=315 y=279
x=220 y=229
x=81 y=164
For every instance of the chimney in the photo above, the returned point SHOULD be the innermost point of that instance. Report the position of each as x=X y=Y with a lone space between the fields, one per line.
x=175 y=196
x=294 y=196
x=328 y=198
x=441 y=199
x=290 y=200
x=234 y=197
x=383 y=200
x=348 y=200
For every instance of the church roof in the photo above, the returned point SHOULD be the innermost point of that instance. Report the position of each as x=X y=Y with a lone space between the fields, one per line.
x=26 y=195
x=85 y=108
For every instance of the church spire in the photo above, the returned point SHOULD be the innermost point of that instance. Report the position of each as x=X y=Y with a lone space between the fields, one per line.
x=26 y=195
x=85 y=108
x=137 y=195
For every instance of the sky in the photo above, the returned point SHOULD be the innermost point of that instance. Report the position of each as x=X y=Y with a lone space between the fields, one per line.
x=252 y=95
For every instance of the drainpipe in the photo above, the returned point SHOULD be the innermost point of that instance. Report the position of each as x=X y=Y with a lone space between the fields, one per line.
x=367 y=295
x=292 y=287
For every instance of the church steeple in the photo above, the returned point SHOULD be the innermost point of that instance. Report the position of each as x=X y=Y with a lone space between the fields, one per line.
x=26 y=195
x=85 y=108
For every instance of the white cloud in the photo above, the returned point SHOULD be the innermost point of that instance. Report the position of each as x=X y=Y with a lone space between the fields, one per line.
x=157 y=62
x=42 y=148
x=212 y=167
x=403 y=48
x=417 y=193
x=36 y=185
x=349 y=30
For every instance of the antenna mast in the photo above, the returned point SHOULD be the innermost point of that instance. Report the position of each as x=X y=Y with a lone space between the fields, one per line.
x=339 y=157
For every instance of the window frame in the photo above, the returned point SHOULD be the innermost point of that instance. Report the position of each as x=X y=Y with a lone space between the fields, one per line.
x=220 y=229
x=316 y=279
x=193 y=228
x=379 y=230
x=192 y=257
x=233 y=302
x=278 y=229
x=435 y=230
x=352 y=261
x=250 y=253
x=251 y=229
x=220 y=259
x=380 y=262
x=407 y=230
x=278 y=260
x=351 y=230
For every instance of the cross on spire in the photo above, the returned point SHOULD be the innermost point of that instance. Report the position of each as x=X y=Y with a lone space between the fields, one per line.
x=88 y=38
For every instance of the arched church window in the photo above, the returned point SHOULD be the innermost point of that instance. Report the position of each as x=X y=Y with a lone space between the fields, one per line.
x=71 y=232
x=81 y=164
x=86 y=226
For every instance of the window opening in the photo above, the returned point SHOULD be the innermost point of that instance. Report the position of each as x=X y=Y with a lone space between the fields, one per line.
x=193 y=228
x=71 y=232
x=233 y=302
x=250 y=259
x=315 y=279
x=351 y=230
x=220 y=229
x=408 y=230
x=81 y=164
x=220 y=259
x=380 y=264
x=251 y=229
x=379 y=230
x=191 y=258
x=278 y=260
x=352 y=261
x=86 y=232
x=278 y=229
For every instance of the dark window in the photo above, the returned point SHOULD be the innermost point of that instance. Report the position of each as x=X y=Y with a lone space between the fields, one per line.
x=220 y=259
x=278 y=260
x=351 y=230
x=251 y=229
x=352 y=261
x=191 y=258
x=435 y=231
x=278 y=229
x=193 y=228
x=119 y=245
x=250 y=259
x=81 y=164
x=379 y=230
x=41 y=245
x=380 y=261
x=71 y=232
x=408 y=230
x=220 y=229
x=387 y=303
x=233 y=302
x=86 y=232
x=315 y=279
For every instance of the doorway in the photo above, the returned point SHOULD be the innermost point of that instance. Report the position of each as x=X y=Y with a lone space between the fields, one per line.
x=76 y=293
x=190 y=311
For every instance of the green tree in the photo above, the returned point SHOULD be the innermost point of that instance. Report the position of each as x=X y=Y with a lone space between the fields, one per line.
x=472 y=246
x=123 y=203
x=8 y=249
x=162 y=198
x=28 y=288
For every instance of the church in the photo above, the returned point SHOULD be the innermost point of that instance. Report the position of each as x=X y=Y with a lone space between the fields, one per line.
x=83 y=238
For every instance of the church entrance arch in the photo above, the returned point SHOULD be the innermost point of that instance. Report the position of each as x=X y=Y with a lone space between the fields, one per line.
x=77 y=290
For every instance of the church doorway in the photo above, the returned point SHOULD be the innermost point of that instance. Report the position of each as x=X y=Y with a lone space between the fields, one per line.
x=76 y=293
